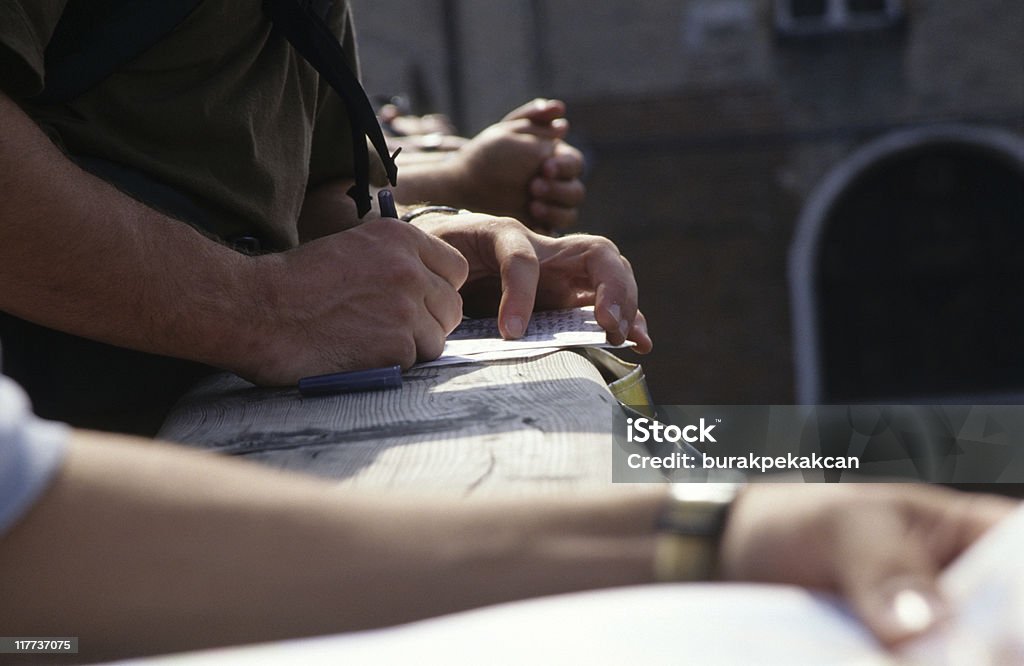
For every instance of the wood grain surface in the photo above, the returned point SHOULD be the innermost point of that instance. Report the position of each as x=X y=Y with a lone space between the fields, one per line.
x=523 y=426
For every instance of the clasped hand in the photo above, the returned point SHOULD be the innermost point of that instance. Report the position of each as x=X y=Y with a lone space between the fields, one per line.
x=523 y=167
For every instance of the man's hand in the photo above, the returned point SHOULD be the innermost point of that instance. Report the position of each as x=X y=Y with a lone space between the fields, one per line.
x=520 y=167
x=518 y=271
x=556 y=190
x=879 y=545
x=381 y=293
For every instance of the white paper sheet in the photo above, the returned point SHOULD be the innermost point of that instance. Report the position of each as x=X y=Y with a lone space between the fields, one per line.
x=986 y=589
x=478 y=340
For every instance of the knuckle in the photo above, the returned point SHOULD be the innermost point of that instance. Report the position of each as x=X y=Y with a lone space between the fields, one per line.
x=430 y=348
x=570 y=195
x=455 y=313
x=570 y=160
x=406 y=353
x=602 y=244
x=405 y=269
x=462 y=267
x=521 y=256
x=503 y=225
x=385 y=225
x=396 y=236
x=453 y=321
x=398 y=347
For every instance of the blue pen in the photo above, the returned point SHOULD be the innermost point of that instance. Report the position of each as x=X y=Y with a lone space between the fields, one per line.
x=386 y=203
x=352 y=382
x=358 y=380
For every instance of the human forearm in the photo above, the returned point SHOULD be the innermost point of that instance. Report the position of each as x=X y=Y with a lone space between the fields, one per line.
x=520 y=167
x=436 y=181
x=165 y=541
x=79 y=256
x=140 y=548
x=327 y=209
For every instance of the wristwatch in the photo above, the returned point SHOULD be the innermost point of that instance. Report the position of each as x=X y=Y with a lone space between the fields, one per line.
x=425 y=210
x=690 y=528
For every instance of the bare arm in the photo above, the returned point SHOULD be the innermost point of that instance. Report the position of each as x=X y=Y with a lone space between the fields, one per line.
x=167 y=549
x=79 y=256
x=171 y=549
x=327 y=209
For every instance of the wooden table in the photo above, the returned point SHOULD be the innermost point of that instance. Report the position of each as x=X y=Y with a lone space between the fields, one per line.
x=523 y=426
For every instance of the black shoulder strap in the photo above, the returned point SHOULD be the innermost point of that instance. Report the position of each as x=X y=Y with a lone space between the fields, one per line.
x=301 y=22
x=95 y=37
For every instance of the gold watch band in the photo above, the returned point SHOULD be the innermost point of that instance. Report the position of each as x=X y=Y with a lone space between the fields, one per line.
x=684 y=559
x=690 y=528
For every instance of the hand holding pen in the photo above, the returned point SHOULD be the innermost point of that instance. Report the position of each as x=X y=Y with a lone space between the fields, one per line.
x=374 y=379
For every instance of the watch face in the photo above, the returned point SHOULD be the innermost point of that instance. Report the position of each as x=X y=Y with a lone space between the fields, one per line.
x=698 y=509
x=699 y=519
x=723 y=493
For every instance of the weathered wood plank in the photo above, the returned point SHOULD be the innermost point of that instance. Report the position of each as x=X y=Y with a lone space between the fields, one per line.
x=530 y=425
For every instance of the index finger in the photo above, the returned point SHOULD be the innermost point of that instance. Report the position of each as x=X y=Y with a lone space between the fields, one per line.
x=552 y=131
x=540 y=111
x=611 y=276
x=566 y=164
x=520 y=273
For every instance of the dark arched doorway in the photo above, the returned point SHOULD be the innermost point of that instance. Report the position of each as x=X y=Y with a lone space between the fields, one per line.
x=907 y=272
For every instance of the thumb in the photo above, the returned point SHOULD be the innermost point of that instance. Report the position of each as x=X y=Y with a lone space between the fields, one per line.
x=891 y=583
x=556 y=129
x=539 y=111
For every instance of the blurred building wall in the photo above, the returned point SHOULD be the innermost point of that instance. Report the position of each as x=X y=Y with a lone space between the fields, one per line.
x=704 y=132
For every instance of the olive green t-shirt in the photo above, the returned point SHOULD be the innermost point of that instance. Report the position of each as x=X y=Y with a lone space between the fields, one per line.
x=222 y=109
